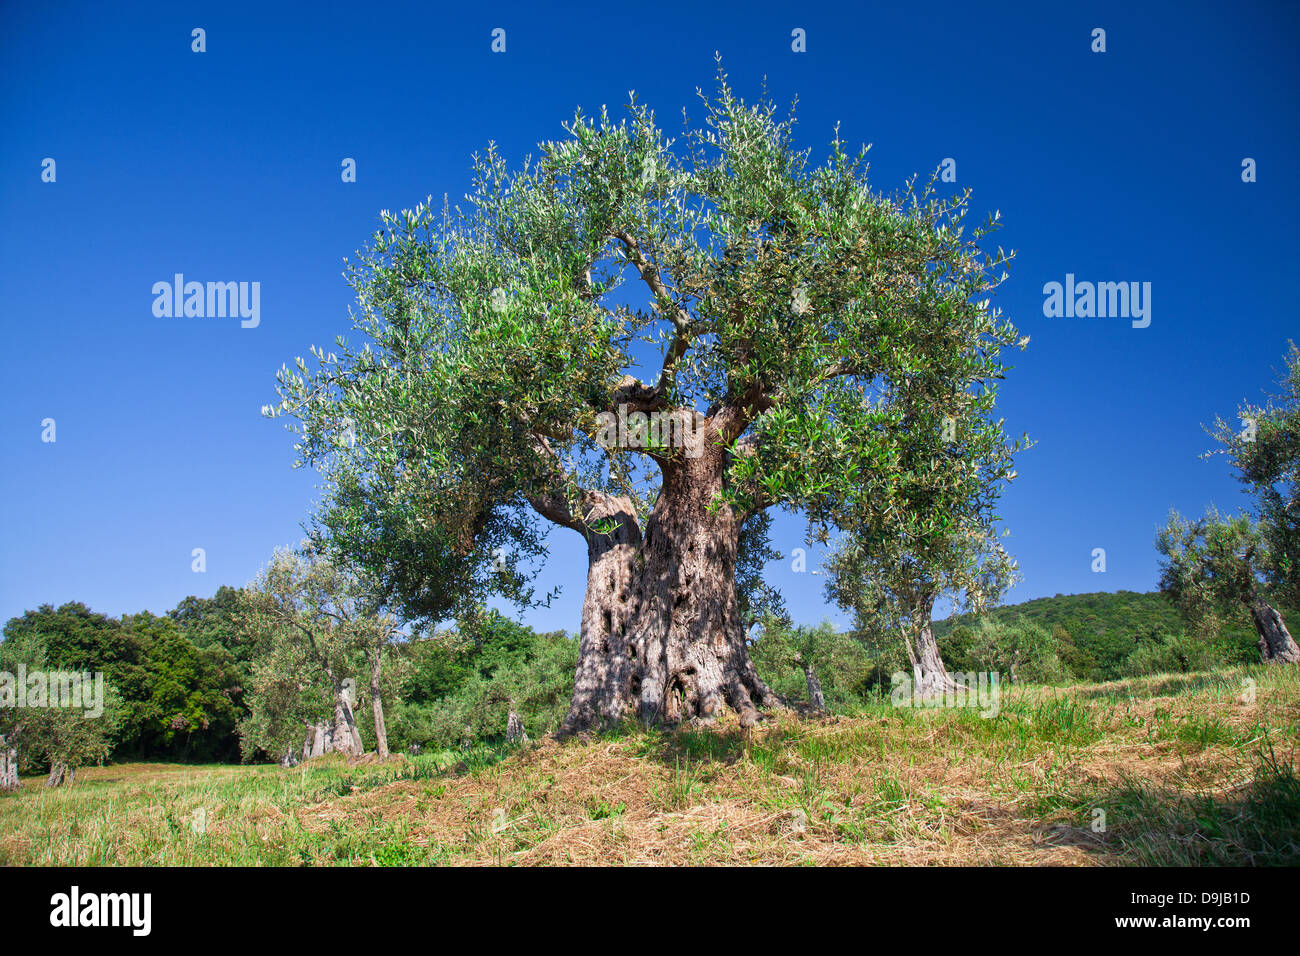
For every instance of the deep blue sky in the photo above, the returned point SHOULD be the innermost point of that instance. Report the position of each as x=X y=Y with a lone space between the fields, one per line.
x=225 y=166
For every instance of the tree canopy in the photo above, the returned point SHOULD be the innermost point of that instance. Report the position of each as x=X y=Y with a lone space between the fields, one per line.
x=815 y=324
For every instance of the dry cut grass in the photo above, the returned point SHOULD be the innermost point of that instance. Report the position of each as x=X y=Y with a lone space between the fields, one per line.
x=1177 y=769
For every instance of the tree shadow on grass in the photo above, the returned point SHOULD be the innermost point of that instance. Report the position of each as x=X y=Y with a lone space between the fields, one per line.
x=1254 y=823
x=686 y=744
x=723 y=743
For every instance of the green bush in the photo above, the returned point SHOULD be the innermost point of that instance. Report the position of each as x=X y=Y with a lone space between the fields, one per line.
x=462 y=684
x=841 y=663
x=1019 y=650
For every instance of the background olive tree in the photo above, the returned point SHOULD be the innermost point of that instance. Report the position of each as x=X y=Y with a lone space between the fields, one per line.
x=60 y=738
x=1218 y=564
x=1263 y=447
x=825 y=667
x=319 y=628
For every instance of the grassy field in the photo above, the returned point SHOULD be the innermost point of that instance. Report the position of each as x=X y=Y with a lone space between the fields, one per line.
x=1180 y=769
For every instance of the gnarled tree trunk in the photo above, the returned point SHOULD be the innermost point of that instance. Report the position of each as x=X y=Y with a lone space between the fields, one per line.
x=339 y=735
x=602 y=684
x=1276 y=645
x=929 y=675
x=662 y=635
x=345 y=738
x=60 y=773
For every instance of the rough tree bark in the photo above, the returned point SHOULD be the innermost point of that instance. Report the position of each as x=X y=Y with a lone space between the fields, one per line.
x=8 y=766
x=603 y=681
x=1276 y=645
x=344 y=735
x=317 y=739
x=515 y=732
x=929 y=675
x=339 y=735
x=815 y=696
x=662 y=634
x=60 y=773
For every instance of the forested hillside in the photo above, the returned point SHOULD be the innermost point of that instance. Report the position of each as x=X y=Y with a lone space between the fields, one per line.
x=1102 y=635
